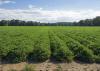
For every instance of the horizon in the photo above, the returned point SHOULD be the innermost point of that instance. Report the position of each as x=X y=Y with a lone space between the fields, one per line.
x=49 y=10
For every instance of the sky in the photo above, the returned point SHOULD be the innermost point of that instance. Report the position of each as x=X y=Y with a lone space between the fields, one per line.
x=49 y=10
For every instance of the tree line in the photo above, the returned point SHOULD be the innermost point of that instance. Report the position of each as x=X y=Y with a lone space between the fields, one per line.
x=87 y=22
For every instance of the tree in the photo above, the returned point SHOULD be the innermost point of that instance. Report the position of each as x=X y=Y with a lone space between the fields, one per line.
x=96 y=21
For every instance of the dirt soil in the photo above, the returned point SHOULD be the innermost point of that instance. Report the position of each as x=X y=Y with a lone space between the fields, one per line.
x=51 y=66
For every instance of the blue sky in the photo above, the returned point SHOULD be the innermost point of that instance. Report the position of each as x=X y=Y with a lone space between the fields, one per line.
x=49 y=10
x=55 y=4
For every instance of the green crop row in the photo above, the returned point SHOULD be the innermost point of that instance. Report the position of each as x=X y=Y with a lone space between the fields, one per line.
x=18 y=44
x=80 y=52
x=60 y=51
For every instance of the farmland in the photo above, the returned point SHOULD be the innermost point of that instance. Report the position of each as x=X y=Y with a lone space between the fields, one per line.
x=41 y=43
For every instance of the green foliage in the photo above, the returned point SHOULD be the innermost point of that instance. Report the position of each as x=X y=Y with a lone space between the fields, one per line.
x=28 y=68
x=18 y=44
x=41 y=52
x=60 y=51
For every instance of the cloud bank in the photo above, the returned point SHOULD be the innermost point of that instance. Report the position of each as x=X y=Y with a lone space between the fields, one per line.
x=6 y=1
x=39 y=14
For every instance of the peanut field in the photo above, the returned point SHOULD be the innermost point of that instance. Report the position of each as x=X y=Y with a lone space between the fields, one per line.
x=41 y=43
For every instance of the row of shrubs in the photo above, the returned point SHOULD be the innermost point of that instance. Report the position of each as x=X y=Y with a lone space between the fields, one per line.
x=53 y=45
x=90 y=41
x=60 y=51
x=25 y=51
x=43 y=49
x=81 y=52
x=94 y=47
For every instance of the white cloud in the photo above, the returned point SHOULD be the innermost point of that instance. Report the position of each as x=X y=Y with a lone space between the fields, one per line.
x=6 y=1
x=32 y=7
x=38 y=14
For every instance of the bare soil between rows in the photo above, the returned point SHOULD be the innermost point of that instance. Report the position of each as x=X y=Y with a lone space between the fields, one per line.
x=52 y=66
